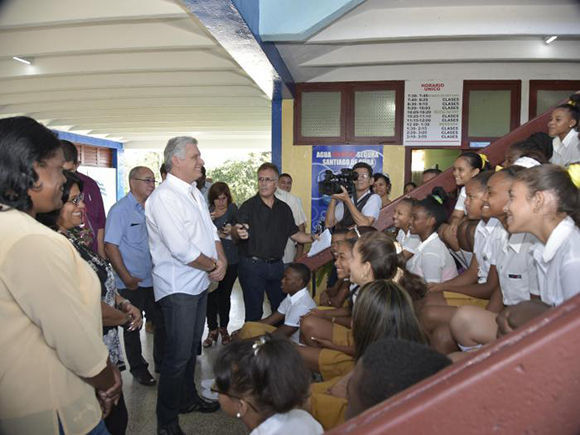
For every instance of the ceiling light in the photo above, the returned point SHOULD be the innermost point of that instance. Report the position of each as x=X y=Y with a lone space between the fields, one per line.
x=550 y=39
x=23 y=60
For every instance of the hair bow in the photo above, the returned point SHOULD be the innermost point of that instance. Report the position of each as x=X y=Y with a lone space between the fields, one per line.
x=484 y=160
x=574 y=172
x=260 y=341
x=438 y=199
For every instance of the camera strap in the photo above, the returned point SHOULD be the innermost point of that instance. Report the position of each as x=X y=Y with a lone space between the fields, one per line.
x=347 y=220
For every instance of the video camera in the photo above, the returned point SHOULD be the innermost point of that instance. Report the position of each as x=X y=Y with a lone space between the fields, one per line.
x=332 y=182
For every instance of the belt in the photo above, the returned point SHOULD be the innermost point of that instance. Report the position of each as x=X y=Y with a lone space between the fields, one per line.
x=266 y=260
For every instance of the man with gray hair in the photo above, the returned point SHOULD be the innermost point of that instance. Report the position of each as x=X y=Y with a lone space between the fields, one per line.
x=127 y=247
x=187 y=255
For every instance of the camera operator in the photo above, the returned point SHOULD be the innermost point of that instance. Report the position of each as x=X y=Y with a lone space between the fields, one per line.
x=362 y=208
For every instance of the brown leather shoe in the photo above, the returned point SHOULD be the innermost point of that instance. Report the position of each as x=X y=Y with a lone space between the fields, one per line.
x=212 y=338
x=225 y=336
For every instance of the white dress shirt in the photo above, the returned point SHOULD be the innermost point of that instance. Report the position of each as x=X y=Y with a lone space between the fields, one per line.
x=299 y=218
x=296 y=421
x=515 y=267
x=460 y=204
x=484 y=234
x=180 y=229
x=566 y=151
x=558 y=263
x=294 y=307
x=432 y=261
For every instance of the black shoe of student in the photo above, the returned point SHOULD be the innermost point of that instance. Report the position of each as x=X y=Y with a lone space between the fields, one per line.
x=200 y=405
x=145 y=378
x=170 y=429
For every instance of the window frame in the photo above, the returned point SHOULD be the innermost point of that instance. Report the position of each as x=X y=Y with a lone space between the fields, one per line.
x=547 y=85
x=515 y=86
x=347 y=91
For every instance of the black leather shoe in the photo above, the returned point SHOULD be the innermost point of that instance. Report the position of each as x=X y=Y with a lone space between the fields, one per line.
x=172 y=429
x=145 y=378
x=200 y=405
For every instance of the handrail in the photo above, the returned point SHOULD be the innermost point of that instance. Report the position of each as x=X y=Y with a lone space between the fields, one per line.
x=525 y=382
x=495 y=153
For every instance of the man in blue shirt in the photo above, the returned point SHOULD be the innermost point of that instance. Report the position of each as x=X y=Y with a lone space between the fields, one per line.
x=126 y=245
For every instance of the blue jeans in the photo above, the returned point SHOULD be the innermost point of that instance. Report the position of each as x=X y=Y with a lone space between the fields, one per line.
x=184 y=317
x=99 y=429
x=257 y=277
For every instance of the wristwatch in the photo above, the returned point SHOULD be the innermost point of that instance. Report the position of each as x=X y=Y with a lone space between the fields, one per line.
x=215 y=265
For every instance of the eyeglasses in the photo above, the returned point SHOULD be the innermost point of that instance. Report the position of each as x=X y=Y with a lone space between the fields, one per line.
x=267 y=180
x=364 y=176
x=76 y=200
x=146 y=180
x=214 y=389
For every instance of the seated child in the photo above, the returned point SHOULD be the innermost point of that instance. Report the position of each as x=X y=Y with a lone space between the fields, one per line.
x=402 y=218
x=511 y=256
x=297 y=304
x=264 y=383
x=388 y=367
x=383 y=309
x=335 y=295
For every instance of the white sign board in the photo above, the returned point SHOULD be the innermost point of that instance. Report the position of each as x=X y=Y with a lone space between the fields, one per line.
x=106 y=178
x=433 y=113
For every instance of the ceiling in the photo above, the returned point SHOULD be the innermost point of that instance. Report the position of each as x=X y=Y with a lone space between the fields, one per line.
x=141 y=71
x=403 y=39
x=135 y=71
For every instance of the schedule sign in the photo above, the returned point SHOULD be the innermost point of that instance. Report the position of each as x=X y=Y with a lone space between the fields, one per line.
x=433 y=113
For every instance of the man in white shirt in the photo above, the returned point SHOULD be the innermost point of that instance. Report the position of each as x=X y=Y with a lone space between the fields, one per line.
x=293 y=250
x=361 y=209
x=187 y=254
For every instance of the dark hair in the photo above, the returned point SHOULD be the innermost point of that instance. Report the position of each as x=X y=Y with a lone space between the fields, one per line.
x=528 y=148
x=482 y=178
x=70 y=151
x=572 y=106
x=364 y=166
x=391 y=365
x=386 y=178
x=219 y=188
x=383 y=309
x=268 y=165
x=543 y=142
x=410 y=183
x=476 y=161
x=285 y=174
x=435 y=171
x=379 y=250
x=23 y=142
x=434 y=205
x=554 y=178
x=302 y=270
x=49 y=219
x=163 y=169
x=407 y=200
x=268 y=370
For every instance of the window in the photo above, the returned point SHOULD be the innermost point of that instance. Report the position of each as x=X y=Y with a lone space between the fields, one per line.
x=545 y=94
x=348 y=113
x=95 y=156
x=491 y=109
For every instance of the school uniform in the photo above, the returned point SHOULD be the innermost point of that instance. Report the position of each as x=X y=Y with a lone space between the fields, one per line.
x=409 y=242
x=558 y=263
x=515 y=267
x=295 y=421
x=460 y=204
x=566 y=151
x=432 y=261
x=485 y=232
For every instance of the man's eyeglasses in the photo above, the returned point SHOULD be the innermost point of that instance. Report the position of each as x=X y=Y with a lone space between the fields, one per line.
x=267 y=180
x=76 y=200
x=146 y=180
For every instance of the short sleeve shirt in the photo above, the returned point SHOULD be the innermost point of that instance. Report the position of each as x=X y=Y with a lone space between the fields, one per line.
x=294 y=307
x=558 y=264
x=460 y=204
x=94 y=207
x=432 y=261
x=126 y=228
x=269 y=229
x=566 y=151
x=409 y=242
x=371 y=209
x=482 y=239
x=299 y=218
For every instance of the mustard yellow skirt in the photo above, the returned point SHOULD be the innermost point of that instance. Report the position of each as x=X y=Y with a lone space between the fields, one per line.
x=255 y=329
x=329 y=410
x=459 y=299
x=333 y=363
x=342 y=335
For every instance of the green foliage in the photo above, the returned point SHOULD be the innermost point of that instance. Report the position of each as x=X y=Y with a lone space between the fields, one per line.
x=240 y=175
x=149 y=159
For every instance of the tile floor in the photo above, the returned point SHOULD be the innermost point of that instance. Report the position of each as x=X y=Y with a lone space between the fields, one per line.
x=141 y=400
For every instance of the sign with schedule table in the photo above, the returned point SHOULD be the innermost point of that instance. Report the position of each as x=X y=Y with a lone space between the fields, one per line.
x=433 y=113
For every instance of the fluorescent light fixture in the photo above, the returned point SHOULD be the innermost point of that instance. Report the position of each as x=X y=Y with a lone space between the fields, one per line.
x=550 y=39
x=23 y=60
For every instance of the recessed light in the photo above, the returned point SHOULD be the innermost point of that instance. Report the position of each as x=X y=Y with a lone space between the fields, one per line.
x=550 y=39
x=23 y=60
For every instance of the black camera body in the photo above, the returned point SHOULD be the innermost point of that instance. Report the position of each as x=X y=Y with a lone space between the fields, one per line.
x=332 y=182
